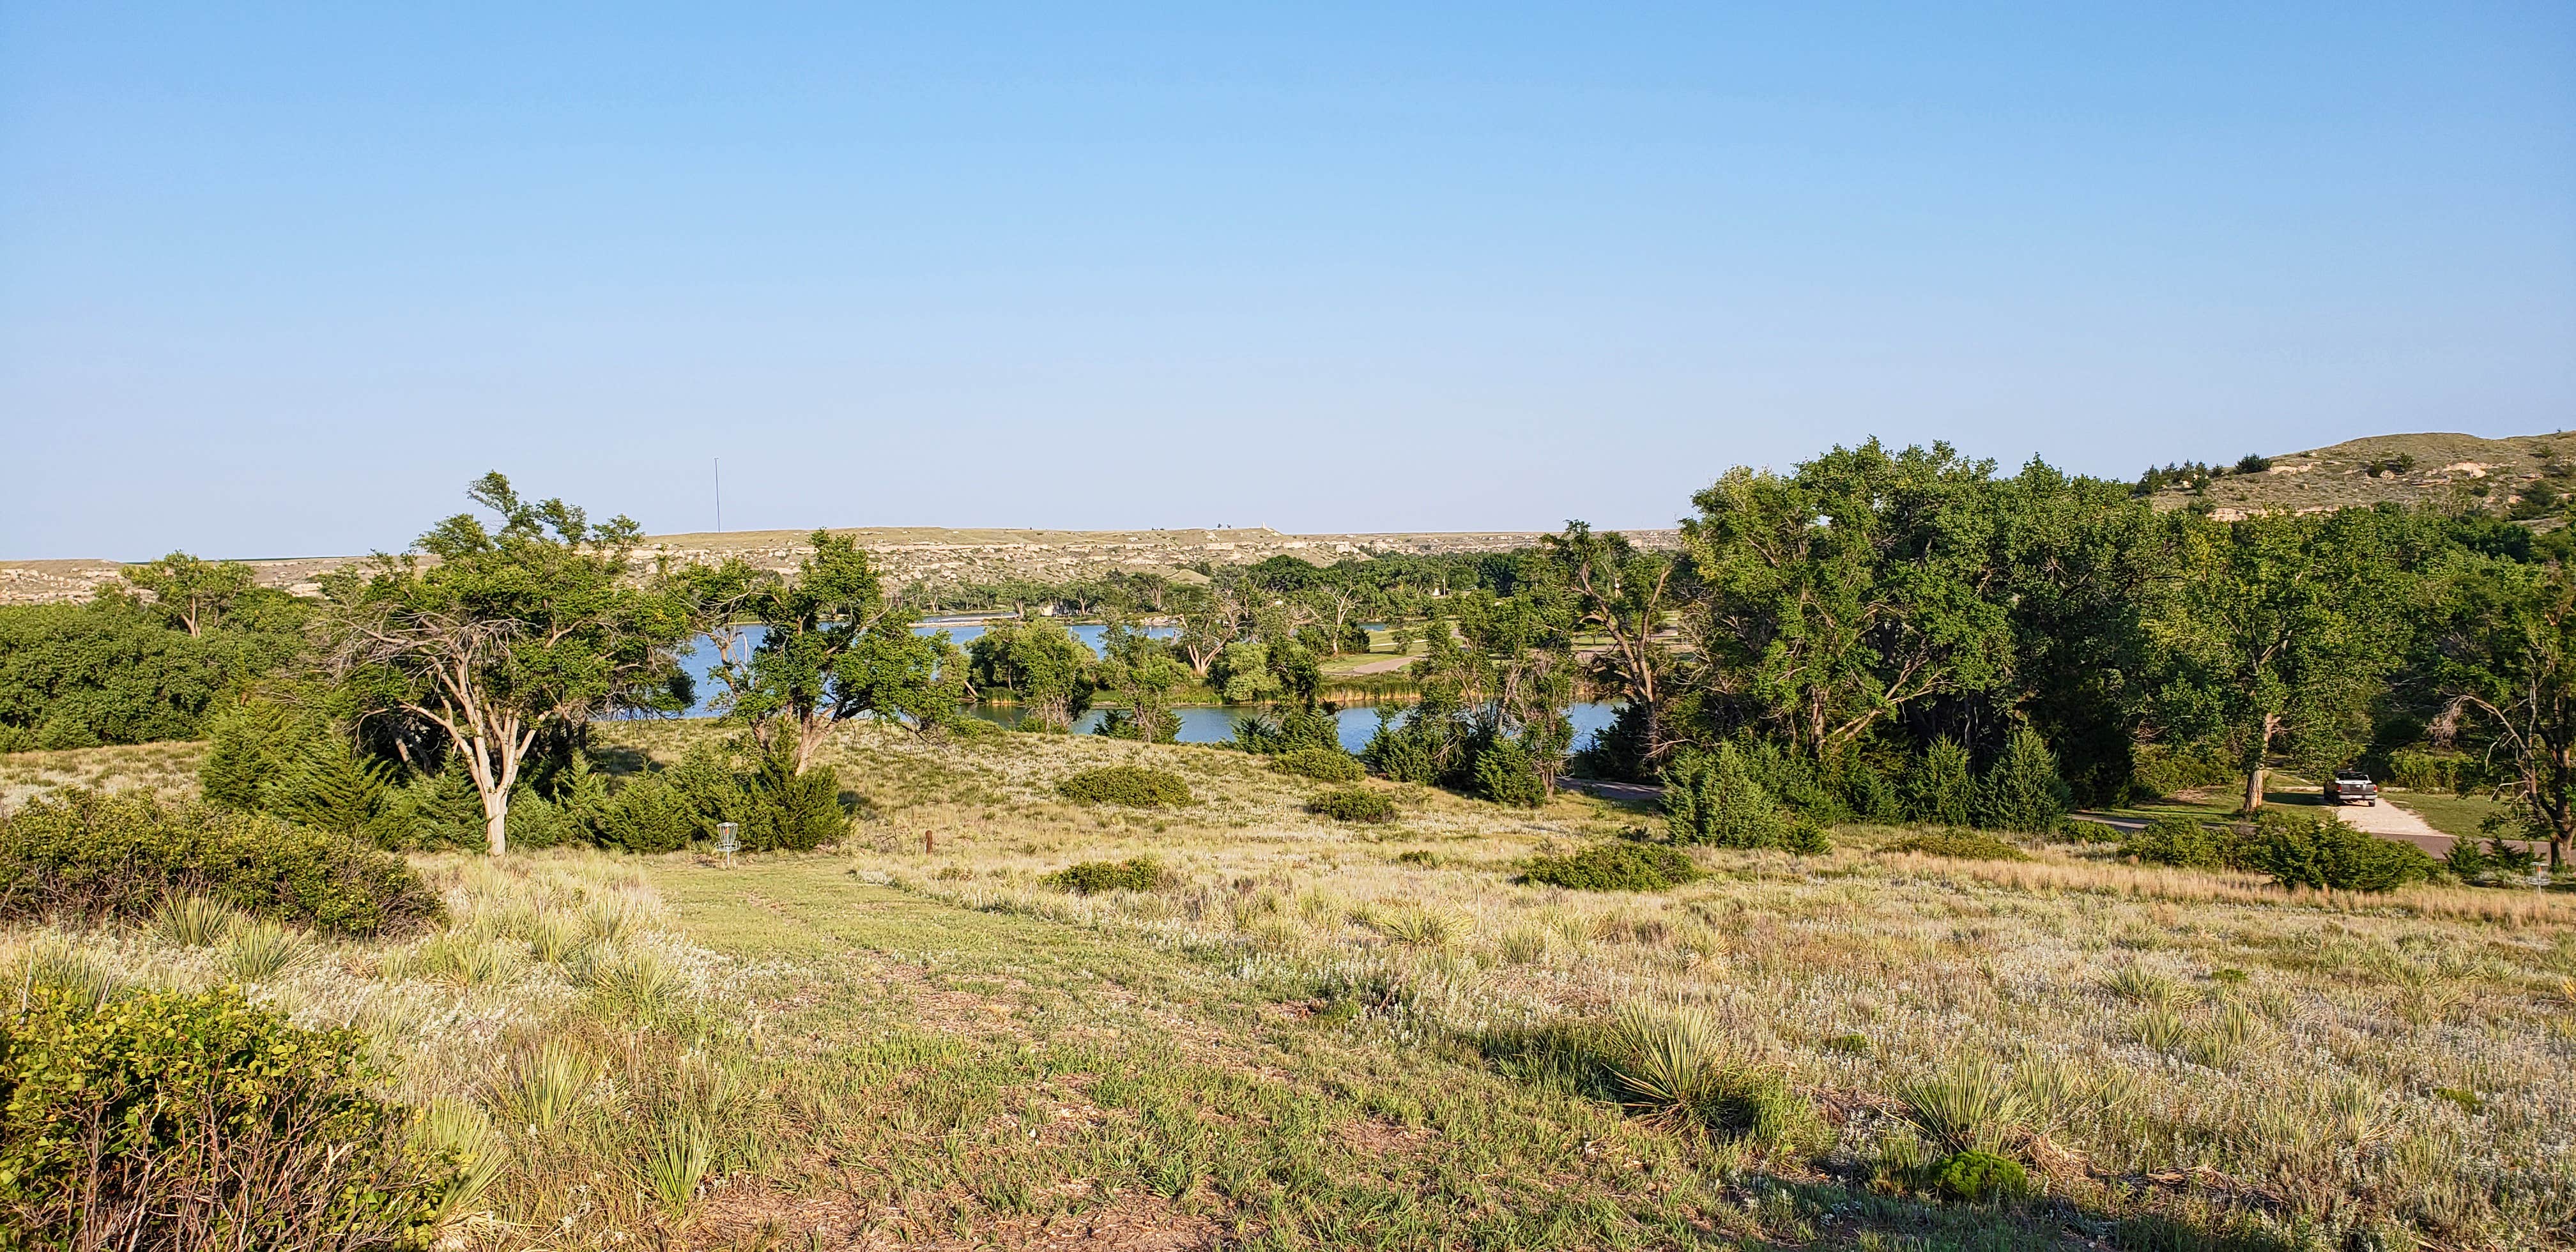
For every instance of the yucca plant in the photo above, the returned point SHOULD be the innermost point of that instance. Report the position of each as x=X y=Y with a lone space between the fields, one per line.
x=2160 y=1029
x=611 y=919
x=460 y=960
x=459 y=1131
x=53 y=963
x=1970 y=1107
x=554 y=938
x=639 y=978
x=261 y=949
x=1417 y=926
x=1522 y=945
x=543 y=1087
x=1670 y=1057
x=2140 y=987
x=1674 y=1062
x=193 y=921
x=676 y=1163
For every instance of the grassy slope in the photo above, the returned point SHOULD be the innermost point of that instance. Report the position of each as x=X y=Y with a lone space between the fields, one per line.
x=1310 y=1042
x=2334 y=477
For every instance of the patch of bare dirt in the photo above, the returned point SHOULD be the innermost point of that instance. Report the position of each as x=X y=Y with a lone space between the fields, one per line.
x=751 y=1217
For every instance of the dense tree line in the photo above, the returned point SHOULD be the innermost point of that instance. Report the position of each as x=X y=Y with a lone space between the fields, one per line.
x=1877 y=633
x=147 y=659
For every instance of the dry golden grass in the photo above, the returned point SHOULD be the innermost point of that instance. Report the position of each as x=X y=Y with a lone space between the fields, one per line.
x=167 y=769
x=2290 y=1069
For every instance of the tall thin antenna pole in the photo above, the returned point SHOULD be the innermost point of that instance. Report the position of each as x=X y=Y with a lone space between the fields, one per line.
x=719 y=495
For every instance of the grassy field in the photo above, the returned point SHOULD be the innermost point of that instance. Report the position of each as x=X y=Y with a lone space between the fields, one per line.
x=1326 y=1037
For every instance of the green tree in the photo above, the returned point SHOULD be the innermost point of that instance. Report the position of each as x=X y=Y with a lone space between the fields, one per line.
x=2278 y=631
x=2508 y=667
x=509 y=632
x=1142 y=673
x=1625 y=594
x=194 y=593
x=2023 y=791
x=1838 y=596
x=831 y=648
x=1940 y=789
x=1040 y=663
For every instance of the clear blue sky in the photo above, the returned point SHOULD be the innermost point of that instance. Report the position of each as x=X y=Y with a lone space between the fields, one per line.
x=281 y=281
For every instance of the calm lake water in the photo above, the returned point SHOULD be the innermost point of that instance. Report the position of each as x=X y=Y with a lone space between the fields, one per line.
x=1198 y=724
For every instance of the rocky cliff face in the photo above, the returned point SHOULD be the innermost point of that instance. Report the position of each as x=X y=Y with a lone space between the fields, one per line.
x=906 y=555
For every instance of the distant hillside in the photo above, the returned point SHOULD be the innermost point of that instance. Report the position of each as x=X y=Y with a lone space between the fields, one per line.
x=909 y=554
x=2525 y=476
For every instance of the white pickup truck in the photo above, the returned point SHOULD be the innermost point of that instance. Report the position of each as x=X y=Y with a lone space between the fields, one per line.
x=2350 y=786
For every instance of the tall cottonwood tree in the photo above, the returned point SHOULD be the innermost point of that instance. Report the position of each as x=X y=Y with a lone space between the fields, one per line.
x=505 y=634
x=1834 y=597
x=2277 y=631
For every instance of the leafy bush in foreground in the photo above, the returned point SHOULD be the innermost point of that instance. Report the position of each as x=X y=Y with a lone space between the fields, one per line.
x=1142 y=873
x=1353 y=804
x=1965 y=845
x=1321 y=764
x=1614 y=867
x=166 y=1120
x=2300 y=850
x=1132 y=785
x=98 y=856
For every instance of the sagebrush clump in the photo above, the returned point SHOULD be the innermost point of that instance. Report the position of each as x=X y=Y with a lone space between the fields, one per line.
x=1321 y=764
x=1134 y=786
x=1142 y=873
x=1614 y=867
x=1353 y=804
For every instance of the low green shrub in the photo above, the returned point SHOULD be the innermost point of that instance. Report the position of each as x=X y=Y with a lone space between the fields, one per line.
x=178 y=1120
x=1321 y=764
x=2182 y=841
x=97 y=856
x=1132 y=785
x=2303 y=850
x=1142 y=873
x=1353 y=804
x=1614 y=867
x=1978 y=1177
x=1964 y=845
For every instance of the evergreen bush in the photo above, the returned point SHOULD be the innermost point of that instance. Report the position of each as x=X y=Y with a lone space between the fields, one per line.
x=1134 y=786
x=1614 y=867
x=1940 y=790
x=2184 y=841
x=2023 y=791
x=1142 y=873
x=1353 y=804
x=2303 y=850
x=1506 y=772
x=1320 y=764
x=1965 y=845
x=1713 y=798
x=1294 y=730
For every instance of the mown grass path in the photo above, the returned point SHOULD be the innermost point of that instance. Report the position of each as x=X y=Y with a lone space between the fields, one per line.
x=969 y=1078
